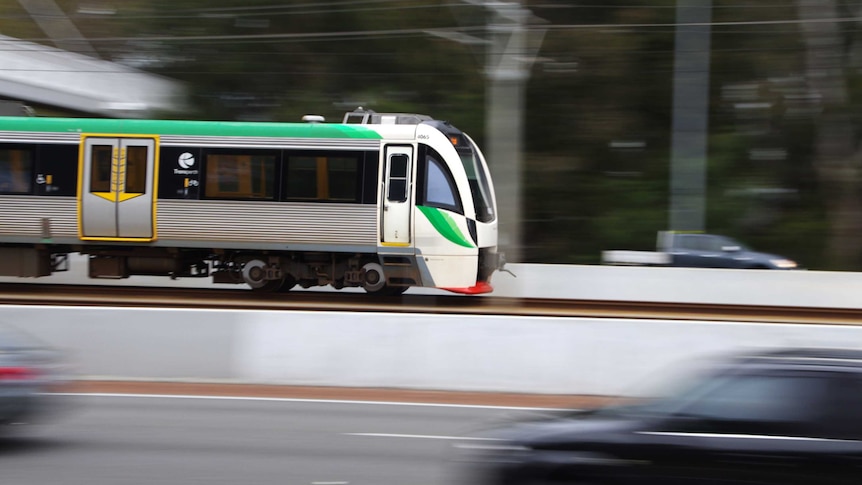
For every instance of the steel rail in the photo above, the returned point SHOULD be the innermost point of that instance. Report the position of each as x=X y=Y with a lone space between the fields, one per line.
x=152 y=297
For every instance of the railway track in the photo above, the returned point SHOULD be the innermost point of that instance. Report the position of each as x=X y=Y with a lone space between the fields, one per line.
x=239 y=299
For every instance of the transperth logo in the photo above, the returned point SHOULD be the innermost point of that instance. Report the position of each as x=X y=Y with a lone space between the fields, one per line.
x=186 y=160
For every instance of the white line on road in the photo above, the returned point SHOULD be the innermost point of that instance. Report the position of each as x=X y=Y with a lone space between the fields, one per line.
x=286 y=399
x=420 y=436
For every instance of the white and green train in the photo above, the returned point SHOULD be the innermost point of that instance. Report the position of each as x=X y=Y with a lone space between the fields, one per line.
x=379 y=201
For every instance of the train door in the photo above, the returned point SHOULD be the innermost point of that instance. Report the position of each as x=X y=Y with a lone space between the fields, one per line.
x=397 y=184
x=117 y=188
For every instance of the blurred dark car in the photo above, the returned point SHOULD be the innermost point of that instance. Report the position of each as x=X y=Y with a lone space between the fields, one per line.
x=783 y=417
x=29 y=372
x=714 y=251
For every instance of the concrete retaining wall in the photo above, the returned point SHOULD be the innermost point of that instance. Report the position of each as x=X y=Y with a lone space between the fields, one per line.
x=828 y=289
x=423 y=351
x=413 y=351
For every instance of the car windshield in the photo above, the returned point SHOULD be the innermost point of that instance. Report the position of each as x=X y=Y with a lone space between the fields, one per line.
x=763 y=397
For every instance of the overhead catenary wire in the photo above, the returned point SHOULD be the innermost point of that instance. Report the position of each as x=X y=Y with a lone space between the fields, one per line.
x=421 y=31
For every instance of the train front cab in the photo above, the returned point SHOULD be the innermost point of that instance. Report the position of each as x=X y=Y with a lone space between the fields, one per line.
x=451 y=228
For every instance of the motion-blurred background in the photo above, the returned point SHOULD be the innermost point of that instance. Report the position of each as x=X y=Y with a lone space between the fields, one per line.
x=603 y=98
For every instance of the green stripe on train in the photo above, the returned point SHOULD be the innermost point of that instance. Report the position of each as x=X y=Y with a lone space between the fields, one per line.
x=185 y=128
x=445 y=225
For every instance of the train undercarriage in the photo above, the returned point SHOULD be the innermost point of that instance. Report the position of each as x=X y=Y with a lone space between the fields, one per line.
x=262 y=271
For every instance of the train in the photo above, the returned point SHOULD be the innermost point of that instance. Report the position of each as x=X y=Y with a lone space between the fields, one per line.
x=379 y=201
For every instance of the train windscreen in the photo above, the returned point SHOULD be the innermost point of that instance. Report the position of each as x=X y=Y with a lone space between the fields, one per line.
x=480 y=185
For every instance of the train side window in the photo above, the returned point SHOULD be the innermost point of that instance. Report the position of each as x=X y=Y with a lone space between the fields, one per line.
x=323 y=176
x=437 y=186
x=343 y=174
x=102 y=157
x=398 y=164
x=302 y=177
x=370 y=175
x=16 y=170
x=240 y=175
x=136 y=170
x=57 y=170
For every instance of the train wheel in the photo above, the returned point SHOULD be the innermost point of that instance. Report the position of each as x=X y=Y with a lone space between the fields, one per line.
x=254 y=274
x=374 y=280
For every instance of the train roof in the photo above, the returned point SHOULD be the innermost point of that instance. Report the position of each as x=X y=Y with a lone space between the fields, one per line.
x=198 y=128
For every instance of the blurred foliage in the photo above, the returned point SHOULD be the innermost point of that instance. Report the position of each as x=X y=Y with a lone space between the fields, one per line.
x=598 y=103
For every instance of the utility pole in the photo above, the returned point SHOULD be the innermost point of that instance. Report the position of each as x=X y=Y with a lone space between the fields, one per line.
x=513 y=38
x=690 y=115
x=509 y=58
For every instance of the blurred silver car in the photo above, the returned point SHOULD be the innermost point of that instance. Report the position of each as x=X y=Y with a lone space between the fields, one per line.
x=30 y=372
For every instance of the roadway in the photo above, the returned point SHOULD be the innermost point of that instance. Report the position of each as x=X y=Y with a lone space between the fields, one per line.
x=133 y=439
